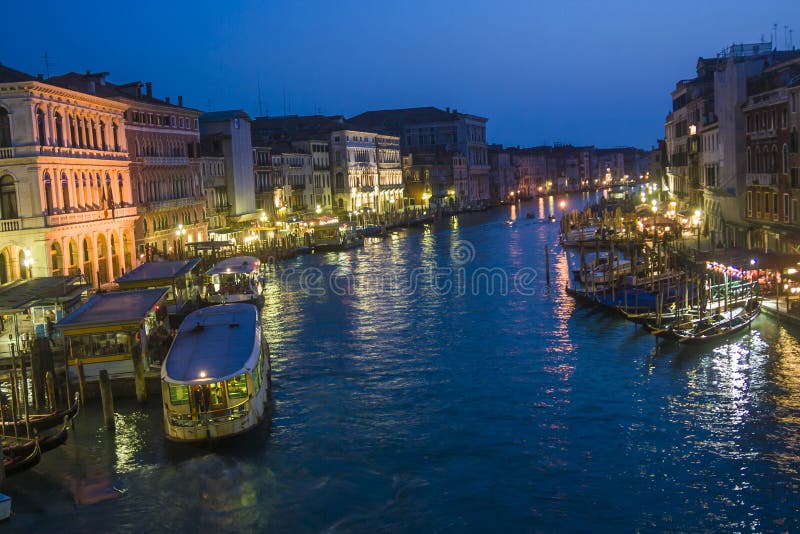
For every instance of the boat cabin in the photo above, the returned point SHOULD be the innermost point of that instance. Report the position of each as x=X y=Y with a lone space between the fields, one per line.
x=178 y=276
x=107 y=331
x=234 y=280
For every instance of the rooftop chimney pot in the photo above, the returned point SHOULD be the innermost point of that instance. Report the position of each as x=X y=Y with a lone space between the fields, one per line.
x=180 y=100
x=149 y=88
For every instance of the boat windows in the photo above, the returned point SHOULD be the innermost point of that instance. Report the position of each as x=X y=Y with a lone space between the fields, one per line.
x=178 y=394
x=104 y=344
x=237 y=387
x=258 y=372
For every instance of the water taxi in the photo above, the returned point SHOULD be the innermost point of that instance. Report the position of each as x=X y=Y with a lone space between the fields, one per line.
x=234 y=280
x=215 y=380
x=336 y=237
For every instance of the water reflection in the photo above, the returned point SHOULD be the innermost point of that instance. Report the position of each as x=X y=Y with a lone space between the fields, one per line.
x=449 y=411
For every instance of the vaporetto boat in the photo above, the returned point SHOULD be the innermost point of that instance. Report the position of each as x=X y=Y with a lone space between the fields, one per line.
x=215 y=380
x=235 y=280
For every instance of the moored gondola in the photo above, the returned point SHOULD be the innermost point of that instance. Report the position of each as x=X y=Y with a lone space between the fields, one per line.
x=17 y=464
x=38 y=422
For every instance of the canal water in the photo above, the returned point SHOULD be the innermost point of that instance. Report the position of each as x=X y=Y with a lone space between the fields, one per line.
x=432 y=381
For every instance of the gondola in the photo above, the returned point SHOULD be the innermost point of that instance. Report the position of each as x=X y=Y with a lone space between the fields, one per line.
x=720 y=325
x=56 y=439
x=18 y=464
x=47 y=442
x=42 y=421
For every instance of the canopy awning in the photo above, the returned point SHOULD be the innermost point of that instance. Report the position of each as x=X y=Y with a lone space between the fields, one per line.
x=20 y=295
x=106 y=312
x=156 y=273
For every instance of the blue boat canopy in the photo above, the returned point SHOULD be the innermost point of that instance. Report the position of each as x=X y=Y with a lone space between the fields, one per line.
x=235 y=265
x=159 y=270
x=119 y=307
x=214 y=344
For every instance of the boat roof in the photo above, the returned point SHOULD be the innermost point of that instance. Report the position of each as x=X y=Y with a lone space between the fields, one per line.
x=159 y=270
x=213 y=344
x=20 y=295
x=115 y=308
x=237 y=264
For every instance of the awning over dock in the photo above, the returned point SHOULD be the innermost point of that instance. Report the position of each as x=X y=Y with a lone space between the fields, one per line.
x=20 y=295
x=158 y=273
x=112 y=311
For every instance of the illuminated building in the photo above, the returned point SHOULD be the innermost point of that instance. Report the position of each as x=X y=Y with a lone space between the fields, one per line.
x=164 y=144
x=67 y=203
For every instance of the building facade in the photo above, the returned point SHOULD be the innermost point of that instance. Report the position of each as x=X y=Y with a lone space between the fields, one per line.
x=67 y=204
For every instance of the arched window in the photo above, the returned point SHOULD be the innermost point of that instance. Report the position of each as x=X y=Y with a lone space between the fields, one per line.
x=5 y=128
x=94 y=136
x=48 y=194
x=785 y=159
x=79 y=128
x=773 y=164
x=103 y=145
x=119 y=185
x=72 y=133
x=749 y=160
x=65 y=192
x=59 y=129
x=114 y=129
x=56 y=259
x=8 y=198
x=40 y=127
x=3 y=268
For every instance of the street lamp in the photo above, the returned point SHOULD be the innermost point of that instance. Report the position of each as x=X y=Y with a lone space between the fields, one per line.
x=180 y=233
x=697 y=215
x=27 y=262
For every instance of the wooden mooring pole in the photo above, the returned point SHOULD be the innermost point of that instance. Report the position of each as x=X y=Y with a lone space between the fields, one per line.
x=107 y=398
x=547 y=264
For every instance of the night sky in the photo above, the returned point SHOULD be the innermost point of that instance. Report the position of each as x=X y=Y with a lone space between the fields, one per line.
x=581 y=72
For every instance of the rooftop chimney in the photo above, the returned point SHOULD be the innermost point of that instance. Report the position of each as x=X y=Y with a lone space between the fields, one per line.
x=149 y=88
x=447 y=109
x=40 y=77
x=166 y=99
x=180 y=100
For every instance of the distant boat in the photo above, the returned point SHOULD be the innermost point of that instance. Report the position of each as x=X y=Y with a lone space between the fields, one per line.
x=530 y=215
x=552 y=218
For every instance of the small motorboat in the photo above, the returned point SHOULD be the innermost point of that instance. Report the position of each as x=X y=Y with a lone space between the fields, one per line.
x=509 y=222
x=530 y=215
x=551 y=218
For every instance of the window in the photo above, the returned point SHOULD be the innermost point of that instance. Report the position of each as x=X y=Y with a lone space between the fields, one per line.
x=794 y=210
x=795 y=177
x=178 y=394
x=237 y=387
x=180 y=122
x=785 y=159
x=774 y=206
x=8 y=198
x=785 y=207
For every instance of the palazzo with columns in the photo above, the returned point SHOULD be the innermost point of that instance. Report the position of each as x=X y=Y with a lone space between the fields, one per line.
x=67 y=204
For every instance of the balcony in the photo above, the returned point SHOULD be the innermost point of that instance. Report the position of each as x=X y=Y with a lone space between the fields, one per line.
x=89 y=216
x=762 y=134
x=165 y=161
x=761 y=178
x=10 y=225
x=70 y=152
x=173 y=203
